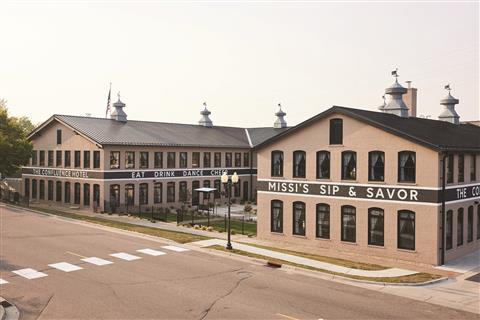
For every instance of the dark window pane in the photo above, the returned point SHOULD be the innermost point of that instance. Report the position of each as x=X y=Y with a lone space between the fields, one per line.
x=276 y=216
x=143 y=194
x=299 y=218
x=96 y=159
x=323 y=221
x=218 y=186
x=129 y=159
x=461 y=168
x=449 y=230
x=195 y=159
x=460 y=227
x=143 y=160
x=86 y=159
x=473 y=167
x=195 y=196
x=50 y=158
x=183 y=159
x=157 y=192
x=158 y=161
x=376 y=166
x=182 y=191
x=238 y=159
x=228 y=160
x=299 y=164
x=277 y=164
x=76 y=193
x=77 y=159
x=114 y=159
x=450 y=168
x=50 y=190
x=34 y=158
x=59 y=136
x=246 y=159
x=171 y=192
x=34 y=189
x=58 y=158
x=67 y=192
x=406 y=166
x=336 y=131
x=217 y=159
x=207 y=163
x=86 y=194
x=114 y=196
x=349 y=224
x=96 y=195
x=406 y=230
x=41 y=194
x=130 y=195
x=42 y=157
x=58 y=191
x=349 y=165
x=323 y=165
x=470 y=224
x=376 y=226
x=171 y=160
x=68 y=159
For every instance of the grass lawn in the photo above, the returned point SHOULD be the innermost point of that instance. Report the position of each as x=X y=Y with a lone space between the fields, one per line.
x=414 y=278
x=179 y=237
x=236 y=226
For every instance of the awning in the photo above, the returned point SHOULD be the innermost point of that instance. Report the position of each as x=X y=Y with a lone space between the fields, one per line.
x=206 y=190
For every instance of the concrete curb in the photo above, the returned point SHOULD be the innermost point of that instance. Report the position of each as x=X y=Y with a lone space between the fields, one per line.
x=8 y=311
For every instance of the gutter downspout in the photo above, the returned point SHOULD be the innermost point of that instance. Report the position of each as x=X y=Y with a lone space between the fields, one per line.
x=444 y=182
x=251 y=176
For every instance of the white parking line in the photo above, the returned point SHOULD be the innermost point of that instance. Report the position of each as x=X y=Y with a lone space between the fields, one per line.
x=174 y=248
x=3 y=281
x=65 y=266
x=30 y=273
x=151 y=252
x=125 y=256
x=97 y=261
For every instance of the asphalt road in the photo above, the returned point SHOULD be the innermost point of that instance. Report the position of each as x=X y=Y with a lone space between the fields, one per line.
x=177 y=285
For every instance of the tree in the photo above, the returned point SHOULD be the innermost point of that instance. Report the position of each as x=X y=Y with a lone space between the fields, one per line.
x=15 y=149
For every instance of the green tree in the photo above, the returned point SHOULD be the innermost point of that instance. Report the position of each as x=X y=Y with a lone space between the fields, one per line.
x=15 y=149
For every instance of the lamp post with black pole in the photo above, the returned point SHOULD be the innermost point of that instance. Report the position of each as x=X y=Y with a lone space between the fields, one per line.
x=227 y=182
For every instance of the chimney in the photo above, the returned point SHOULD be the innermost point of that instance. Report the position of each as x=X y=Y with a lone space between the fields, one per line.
x=449 y=114
x=395 y=104
x=280 y=122
x=118 y=114
x=382 y=107
x=410 y=99
x=205 y=119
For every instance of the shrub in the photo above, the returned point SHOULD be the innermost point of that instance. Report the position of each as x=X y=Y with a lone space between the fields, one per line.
x=210 y=229
x=247 y=208
x=196 y=227
x=233 y=232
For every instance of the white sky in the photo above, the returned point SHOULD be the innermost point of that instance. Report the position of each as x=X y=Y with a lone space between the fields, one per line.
x=166 y=58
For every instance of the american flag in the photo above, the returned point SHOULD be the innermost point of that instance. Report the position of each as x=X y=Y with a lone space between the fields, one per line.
x=108 y=101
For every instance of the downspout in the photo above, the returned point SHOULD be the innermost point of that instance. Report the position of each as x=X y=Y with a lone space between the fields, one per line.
x=444 y=182
x=250 y=193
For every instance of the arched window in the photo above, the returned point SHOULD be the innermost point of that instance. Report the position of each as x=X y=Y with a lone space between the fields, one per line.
x=349 y=165
x=460 y=227
x=143 y=193
x=299 y=164
x=376 y=226
x=76 y=193
x=41 y=194
x=50 y=190
x=299 y=218
x=406 y=166
x=67 y=192
x=170 y=191
x=276 y=217
x=58 y=191
x=349 y=224
x=130 y=195
x=277 y=163
x=34 y=189
x=114 y=196
x=323 y=221
x=470 y=224
x=323 y=165
x=406 y=230
x=376 y=166
x=86 y=194
x=449 y=230
x=182 y=191
x=157 y=192
x=96 y=195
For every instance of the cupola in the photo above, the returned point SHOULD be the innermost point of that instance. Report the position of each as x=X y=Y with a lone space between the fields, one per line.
x=118 y=114
x=395 y=104
x=205 y=119
x=449 y=114
x=280 y=122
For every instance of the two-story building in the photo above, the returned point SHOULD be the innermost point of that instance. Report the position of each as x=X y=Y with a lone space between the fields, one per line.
x=382 y=184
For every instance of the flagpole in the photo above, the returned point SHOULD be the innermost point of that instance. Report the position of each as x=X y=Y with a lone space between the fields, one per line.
x=108 y=100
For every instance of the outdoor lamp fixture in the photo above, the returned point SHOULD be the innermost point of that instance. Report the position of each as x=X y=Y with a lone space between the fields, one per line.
x=227 y=182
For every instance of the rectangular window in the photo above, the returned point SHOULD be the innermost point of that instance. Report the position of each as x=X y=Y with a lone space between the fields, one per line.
x=86 y=159
x=50 y=190
x=349 y=224
x=277 y=164
x=171 y=160
x=76 y=193
x=461 y=168
x=114 y=159
x=130 y=195
x=59 y=136
x=276 y=216
x=460 y=227
x=246 y=159
x=236 y=189
x=34 y=158
x=406 y=166
x=450 y=168
x=323 y=221
x=41 y=194
x=157 y=192
x=143 y=160
x=195 y=159
x=195 y=197
x=96 y=159
x=50 y=158
x=171 y=192
x=68 y=159
x=183 y=160
x=449 y=230
x=86 y=194
x=96 y=195
x=238 y=159
x=336 y=131
x=349 y=165
x=67 y=192
x=299 y=164
x=375 y=226
x=218 y=186
x=158 y=160
x=207 y=163
x=299 y=218
x=217 y=159
x=376 y=166
x=228 y=159
x=58 y=191
x=182 y=191
x=42 y=158
x=323 y=165
x=34 y=189
x=143 y=194
x=58 y=158
x=473 y=167
x=406 y=230
x=77 y=159
x=129 y=159
x=470 y=224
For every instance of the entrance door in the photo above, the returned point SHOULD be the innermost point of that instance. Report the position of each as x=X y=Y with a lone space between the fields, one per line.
x=114 y=197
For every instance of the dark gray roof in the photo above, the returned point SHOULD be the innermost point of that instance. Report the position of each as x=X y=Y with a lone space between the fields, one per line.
x=133 y=132
x=435 y=134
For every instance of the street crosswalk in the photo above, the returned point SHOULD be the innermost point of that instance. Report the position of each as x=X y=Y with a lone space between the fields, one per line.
x=31 y=274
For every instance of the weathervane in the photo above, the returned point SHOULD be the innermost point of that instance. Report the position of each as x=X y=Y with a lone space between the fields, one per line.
x=118 y=95
x=447 y=87
x=395 y=73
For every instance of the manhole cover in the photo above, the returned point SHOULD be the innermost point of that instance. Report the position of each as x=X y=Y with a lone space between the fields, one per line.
x=475 y=278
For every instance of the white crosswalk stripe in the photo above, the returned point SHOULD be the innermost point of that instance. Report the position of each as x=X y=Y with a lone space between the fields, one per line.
x=65 y=266
x=30 y=273
x=97 y=261
x=174 y=248
x=3 y=281
x=151 y=252
x=125 y=256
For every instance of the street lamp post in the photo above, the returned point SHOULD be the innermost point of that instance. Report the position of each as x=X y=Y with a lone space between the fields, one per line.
x=227 y=182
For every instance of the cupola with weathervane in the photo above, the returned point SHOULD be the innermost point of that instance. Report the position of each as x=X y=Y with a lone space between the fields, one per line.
x=280 y=122
x=449 y=114
x=395 y=104
x=205 y=119
x=118 y=114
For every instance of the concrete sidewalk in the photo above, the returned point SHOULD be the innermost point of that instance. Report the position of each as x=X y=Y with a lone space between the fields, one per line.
x=385 y=273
